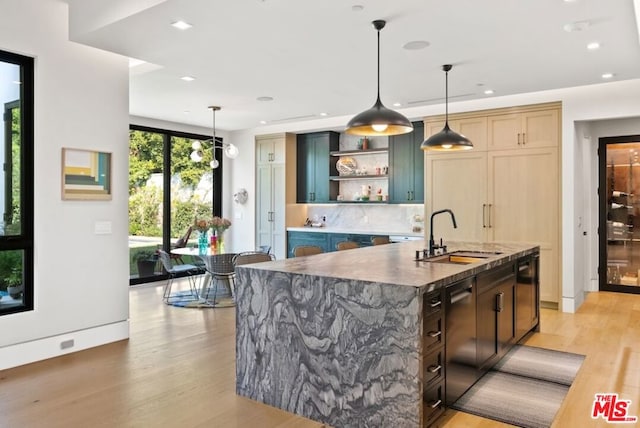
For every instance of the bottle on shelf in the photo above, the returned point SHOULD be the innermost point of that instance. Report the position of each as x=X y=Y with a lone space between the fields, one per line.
x=618 y=194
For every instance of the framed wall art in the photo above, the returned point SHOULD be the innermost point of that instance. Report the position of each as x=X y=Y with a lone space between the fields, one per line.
x=86 y=175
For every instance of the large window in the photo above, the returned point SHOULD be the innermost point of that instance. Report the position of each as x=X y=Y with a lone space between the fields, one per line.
x=167 y=191
x=16 y=225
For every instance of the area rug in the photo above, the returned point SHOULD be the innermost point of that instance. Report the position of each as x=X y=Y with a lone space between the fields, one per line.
x=211 y=298
x=525 y=388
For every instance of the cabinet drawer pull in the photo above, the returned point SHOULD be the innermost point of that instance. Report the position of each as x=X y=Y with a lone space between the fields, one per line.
x=499 y=302
x=434 y=333
x=435 y=404
x=433 y=369
x=436 y=304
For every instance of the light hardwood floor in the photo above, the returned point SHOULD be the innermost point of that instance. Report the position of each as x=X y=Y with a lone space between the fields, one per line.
x=177 y=370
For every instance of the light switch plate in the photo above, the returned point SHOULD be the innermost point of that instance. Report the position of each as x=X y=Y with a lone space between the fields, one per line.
x=102 y=228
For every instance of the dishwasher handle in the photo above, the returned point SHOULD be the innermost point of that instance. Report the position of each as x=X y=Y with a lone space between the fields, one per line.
x=461 y=294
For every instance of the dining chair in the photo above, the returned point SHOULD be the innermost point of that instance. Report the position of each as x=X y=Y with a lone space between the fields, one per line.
x=306 y=250
x=248 y=257
x=380 y=240
x=347 y=245
x=181 y=243
x=221 y=269
x=174 y=271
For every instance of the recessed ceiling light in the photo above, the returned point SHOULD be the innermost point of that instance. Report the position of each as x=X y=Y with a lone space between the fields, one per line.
x=576 y=26
x=181 y=25
x=607 y=75
x=416 y=45
x=323 y=114
x=397 y=104
x=593 y=46
x=186 y=112
x=188 y=78
x=357 y=8
x=264 y=98
x=263 y=122
x=488 y=92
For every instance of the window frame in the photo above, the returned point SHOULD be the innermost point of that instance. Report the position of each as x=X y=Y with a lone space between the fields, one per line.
x=25 y=240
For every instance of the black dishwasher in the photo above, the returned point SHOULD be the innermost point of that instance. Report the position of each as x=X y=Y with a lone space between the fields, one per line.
x=460 y=330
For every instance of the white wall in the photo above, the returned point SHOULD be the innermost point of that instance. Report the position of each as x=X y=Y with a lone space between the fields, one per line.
x=588 y=103
x=81 y=101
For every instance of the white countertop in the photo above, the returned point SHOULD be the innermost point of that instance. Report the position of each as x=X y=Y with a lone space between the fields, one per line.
x=330 y=229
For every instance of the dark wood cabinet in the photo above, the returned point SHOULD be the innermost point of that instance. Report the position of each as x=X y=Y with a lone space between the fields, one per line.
x=527 y=313
x=406 y=166
x=495 y=314
x=314 y=166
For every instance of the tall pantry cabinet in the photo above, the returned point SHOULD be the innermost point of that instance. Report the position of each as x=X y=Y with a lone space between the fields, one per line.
x=275 y=162
x=507 y=187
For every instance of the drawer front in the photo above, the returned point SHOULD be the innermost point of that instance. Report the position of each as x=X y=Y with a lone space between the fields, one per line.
x=433 y=335
x=433 y=403
x=432 y=304
x=433 y=365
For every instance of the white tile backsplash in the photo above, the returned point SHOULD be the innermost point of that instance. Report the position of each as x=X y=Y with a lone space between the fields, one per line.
x=388 y=218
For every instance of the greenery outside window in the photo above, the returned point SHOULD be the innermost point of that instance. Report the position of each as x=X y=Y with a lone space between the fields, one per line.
x=16 y=190
x=167 y=191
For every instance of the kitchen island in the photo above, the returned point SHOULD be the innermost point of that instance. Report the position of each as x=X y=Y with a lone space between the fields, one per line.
x=343 y=338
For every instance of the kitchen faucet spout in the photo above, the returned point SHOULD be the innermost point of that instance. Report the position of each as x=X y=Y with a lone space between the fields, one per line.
x=432 y=245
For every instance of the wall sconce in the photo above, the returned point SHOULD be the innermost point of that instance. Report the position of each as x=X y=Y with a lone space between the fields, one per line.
x=230 y=150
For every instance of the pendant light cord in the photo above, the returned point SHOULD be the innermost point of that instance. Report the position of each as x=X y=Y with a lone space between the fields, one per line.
x=446 y=96
x=378 y=65
x=214 y=133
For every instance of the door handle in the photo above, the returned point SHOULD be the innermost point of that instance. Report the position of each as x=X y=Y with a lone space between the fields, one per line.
x=434 y=333
x=489 y=216
x=408 y=195
x=524 y=141
x=499 y=302
x=433 y=369
x=484 y=212
x=518 y=138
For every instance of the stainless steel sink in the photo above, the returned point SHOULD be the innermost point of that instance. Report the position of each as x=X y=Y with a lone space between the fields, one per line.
x=462 y=257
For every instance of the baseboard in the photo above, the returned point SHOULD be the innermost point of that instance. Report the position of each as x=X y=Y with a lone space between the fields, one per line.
x=54 y=346
x=571 y=304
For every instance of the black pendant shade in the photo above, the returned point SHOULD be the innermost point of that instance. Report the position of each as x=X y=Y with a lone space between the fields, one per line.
x=447 y=140
x=379 y=120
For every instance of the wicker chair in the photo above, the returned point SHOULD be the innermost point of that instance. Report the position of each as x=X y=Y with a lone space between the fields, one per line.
x=306 y=250
x=347 y=245
x=380 y=240
x=252 y=257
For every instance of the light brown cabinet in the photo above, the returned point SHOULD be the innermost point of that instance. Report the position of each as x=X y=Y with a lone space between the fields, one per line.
x=529 y=129
x=502 y=195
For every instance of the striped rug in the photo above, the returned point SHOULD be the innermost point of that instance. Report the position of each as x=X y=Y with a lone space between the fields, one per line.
x=525 y=388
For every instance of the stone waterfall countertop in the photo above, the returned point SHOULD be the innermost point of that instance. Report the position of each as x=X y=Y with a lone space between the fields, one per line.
x=396 y=264
x=329 y=229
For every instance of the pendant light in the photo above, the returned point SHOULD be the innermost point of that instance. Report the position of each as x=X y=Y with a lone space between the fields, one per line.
x=446 y=140
x=230 y=150
x=379 y=120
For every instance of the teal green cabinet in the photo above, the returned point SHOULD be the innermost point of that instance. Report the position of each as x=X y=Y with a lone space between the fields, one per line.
x=406 y=167
x=314 y=166
x=326 y=241
x=295 y=239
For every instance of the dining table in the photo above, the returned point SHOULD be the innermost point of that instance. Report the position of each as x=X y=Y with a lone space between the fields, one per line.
x=218 y=265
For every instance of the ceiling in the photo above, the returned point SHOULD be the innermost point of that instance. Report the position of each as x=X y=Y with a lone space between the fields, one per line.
x=320 y=57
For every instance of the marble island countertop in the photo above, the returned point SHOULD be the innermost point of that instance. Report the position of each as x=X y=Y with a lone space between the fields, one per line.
x=396 y=264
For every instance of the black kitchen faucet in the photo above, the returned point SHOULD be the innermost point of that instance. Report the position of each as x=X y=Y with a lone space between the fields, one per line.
x=432 y=245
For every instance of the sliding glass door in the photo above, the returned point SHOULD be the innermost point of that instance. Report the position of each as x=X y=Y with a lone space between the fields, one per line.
x=167 y=191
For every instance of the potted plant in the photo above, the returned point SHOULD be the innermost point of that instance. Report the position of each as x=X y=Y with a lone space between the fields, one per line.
x=14 y=283
x=146 y=261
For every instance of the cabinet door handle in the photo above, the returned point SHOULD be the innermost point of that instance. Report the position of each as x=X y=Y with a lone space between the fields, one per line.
x=518 y=138
x=408 y=195
x=436 y=303
x=433 y=369
x=499 y=302
x=489 y=216
x=524 y=140
x=484 y=212
x=435 y=404
x=434 y=333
